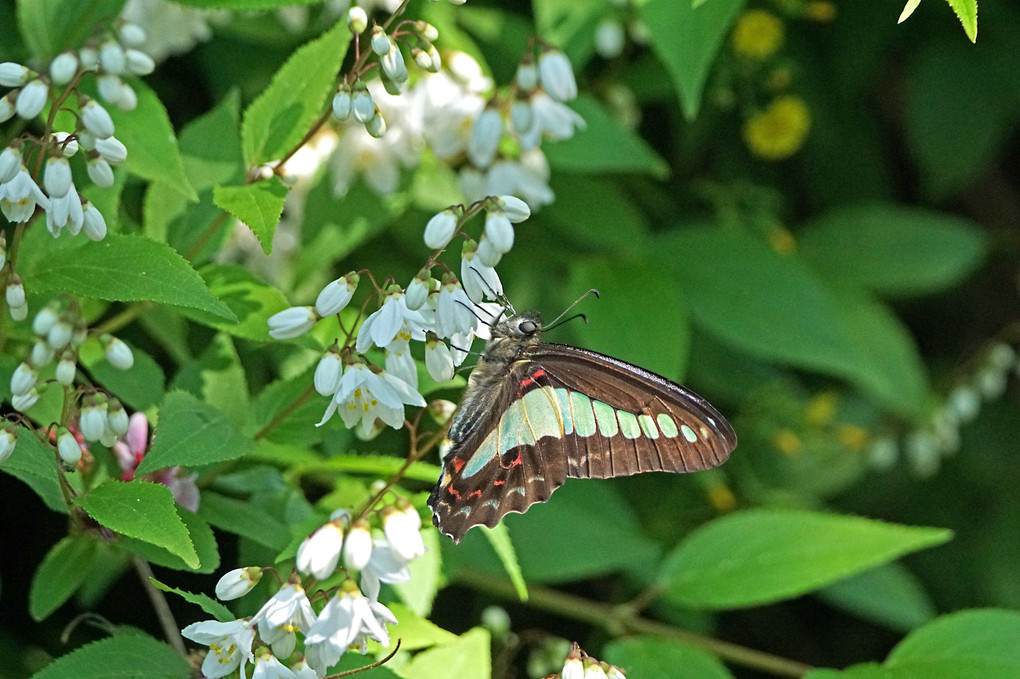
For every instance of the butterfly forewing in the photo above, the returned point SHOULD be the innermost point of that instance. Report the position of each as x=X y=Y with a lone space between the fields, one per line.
x=558 y=412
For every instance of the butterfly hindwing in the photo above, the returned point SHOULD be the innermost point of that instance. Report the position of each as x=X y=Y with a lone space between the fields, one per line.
x=558 y=412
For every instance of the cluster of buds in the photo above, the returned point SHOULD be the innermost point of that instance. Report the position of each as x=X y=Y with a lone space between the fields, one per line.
x=60 y=332
x=355 y=101
x=111 y=59
x=351 y=616
x=580 y=665
x=437 y=312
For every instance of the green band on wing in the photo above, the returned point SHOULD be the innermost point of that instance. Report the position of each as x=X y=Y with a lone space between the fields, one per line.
x=584 y=417
x=605 y=418
x=648 y=426
x=628 y=424
x=688 y=433
x=541 y=407
x=486 y=451
x=667 y=425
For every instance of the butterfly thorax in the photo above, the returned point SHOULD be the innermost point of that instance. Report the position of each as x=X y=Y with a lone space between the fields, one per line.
x=509 y=340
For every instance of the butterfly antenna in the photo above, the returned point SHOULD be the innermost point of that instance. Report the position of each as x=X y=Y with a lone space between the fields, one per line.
x=556 y=321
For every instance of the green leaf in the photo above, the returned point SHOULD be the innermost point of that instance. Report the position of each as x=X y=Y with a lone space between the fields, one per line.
x=124 y=269
x=51 y=26
x=618 y=226
x=250 y=299
x=202 y=538
x=499 y=538
x=276 y=121
x=218 y=379
x=140 y=387
x=141 y=510
x=124 y=655
x=862 y=671
x=466 y=658
x=889 y=595
x=61 y=572
x=644 y=656
x=687 y=40
x=152 y=147
x=966 y=12
x=206 y=602
x=632 y=292
x=246 y=519
x=416 y=632
x=763 y=555
x=893 y=250
x=244 y=5
x=192 y=433
x=258 y=205
x=33 y=462
x=966 y=645
x=585 y=152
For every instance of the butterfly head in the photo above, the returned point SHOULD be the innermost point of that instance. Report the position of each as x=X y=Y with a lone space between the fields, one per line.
x=526 y=325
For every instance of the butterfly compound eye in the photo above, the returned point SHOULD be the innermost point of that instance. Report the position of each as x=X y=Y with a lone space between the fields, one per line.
x=527 y=327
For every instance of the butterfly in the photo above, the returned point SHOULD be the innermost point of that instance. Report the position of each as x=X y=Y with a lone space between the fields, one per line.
x=535 y=413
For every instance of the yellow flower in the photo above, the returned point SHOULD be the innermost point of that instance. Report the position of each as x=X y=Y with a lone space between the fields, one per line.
x=822 y=408
x=722 y=498
x=820 y=10
x=781 y=240
x=757 y=35
x=787 y=442
x=852 y=436
x=780 y=130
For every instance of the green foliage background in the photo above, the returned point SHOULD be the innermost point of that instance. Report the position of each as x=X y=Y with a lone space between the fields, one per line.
x=866 y=277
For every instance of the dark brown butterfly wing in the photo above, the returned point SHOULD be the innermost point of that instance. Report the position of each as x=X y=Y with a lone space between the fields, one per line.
x=560 y=412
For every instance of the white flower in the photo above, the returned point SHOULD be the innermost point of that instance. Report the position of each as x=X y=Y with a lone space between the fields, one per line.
x=485 y=136
x=68 y=448
x=557 y=75
x=593 y=670
x=393 y=64
x=23 y=380
x=377 y=125
x=382 y=326
x=117 y=92
x=609 y=38
x=336 y=295
x=238 y=582
x=59 y=335
x=453 y=309
x=65 y=210
x=552 y=119
x=7 y=106
x=527 y=76
x=289 y=606
x=268 y=667
x=381 y=43
x=342 y=104
x=438 y=360
x=614 y=673
x=418 y=290
x=499 y=231
x=15 y=292
x=57 y=180
x=66 y=370
x=32 y=99
x=301 y=669
x=20 y=195
x=13 y=74
x=92 y=422
x=97 y=120
x=327 y=373
x=357 y=546
x=357 y=20
x=131 y=34
x=117 y=420
x=527 y=178
x=8 y=440
x=319 y=553
x=229 y=645
x=343 y=618
x=441 y=228
x=94 y=225
x=25 y=401
x=112 y=58
x=10 y=163
x=521 y=116
x=292 y=322
x=362 y=106
x=573 y=668
x=479 y=281
x=402 y=531
x=67 y=146
x=399 y=361
x=112 y=150
x=41 y=354
x=138 y=62
x=18 y=313
x=385 y=565
x=363 y=396
x=118 y=353
x=514 y=208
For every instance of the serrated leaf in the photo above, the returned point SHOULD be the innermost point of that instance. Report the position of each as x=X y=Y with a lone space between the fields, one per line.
x=585 y=152
x=152 y=146
x=763 y=555
x=206 y=602
x=499 y=538
x=192 y=433
x=64 y=568
x=466 y=658
x=245 y=519
x=656 y=657
x=141 y=510
x=687 y=41
x=276 y=121
x=966 y=12
x=33 y=463
x=202 y=538
x=258 y=205
x=125 y=655
x=51 y=26
x=124 y=269
x=893 y=250
x=140 y=387
x=251 y=299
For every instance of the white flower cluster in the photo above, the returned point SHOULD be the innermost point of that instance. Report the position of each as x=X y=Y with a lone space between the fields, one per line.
x=428 y=311
x=114 y=57
x=350 y=617
x=580 y=665
x=60 y=331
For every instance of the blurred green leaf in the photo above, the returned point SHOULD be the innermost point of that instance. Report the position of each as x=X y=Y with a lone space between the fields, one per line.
x=426 y=573
x=645 y=656
x=52 y=26
x=585 y=152
x=140 y=386
x=244 y=5
x=192 y=433
x=276 y=121
x=123 y=655
x=466 y=658
x=687 y=40
x=975 y=644
x=125 y=269
x=499 y=538
x=618 y=226
x=889 y=595
x=762 y=555
x=251 y=299
x=141 y=510
x=416 y=632
x=893 y=250
x=246 y=519
x=258 y=205
x=61 y=572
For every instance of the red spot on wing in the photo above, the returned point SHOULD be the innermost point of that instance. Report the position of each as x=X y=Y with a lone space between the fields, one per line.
x=534 y=376
x=457 y=464
x=517 y=460
x=498 y=483
x=474 y=493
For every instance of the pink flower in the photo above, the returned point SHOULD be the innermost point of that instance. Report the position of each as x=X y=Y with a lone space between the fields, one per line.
x=131 y=451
